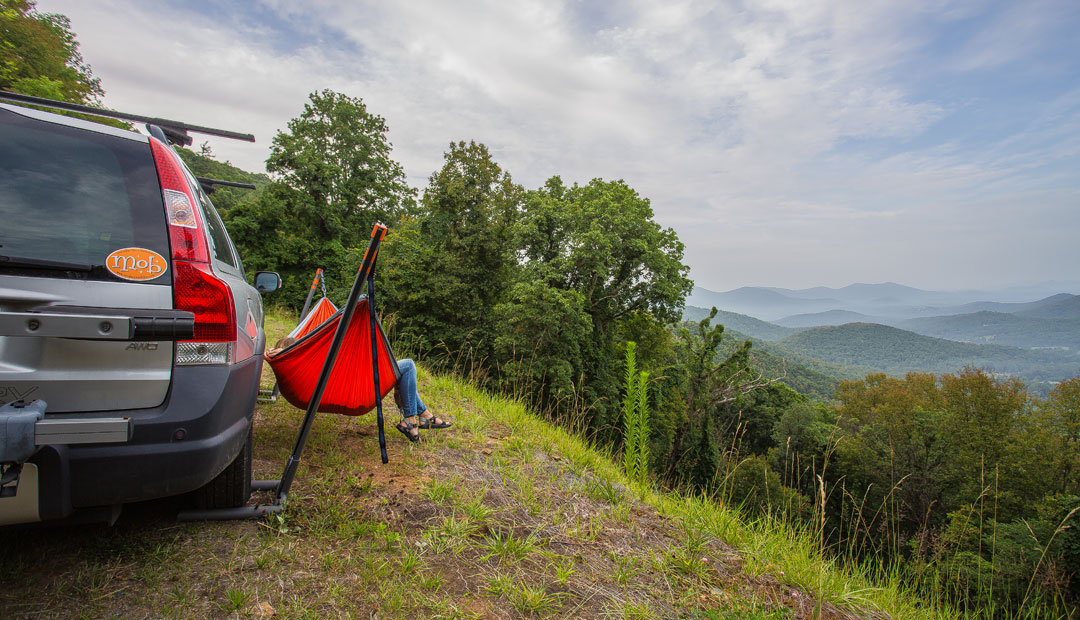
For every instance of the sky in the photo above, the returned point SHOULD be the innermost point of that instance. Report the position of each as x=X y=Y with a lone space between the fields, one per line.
x=789 y=143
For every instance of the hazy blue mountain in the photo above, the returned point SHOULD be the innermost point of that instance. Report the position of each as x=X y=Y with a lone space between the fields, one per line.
x=755 y=328
x=883 y=294
x=854 y=292
x=887 y=302
x=1065 y=308
x=998 y=306
x=758 y=302
x=1036 y=290
x=1000 y=328
x=897 y=351
x=829 y=317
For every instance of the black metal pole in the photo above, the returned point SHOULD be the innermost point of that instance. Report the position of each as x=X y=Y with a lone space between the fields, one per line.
x=331 y=357
x=375 y=362
x=135 y=118
x=310 y=294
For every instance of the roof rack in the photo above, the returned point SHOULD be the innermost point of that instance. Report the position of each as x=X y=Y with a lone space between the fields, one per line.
x=174 y=131
x=208 y=184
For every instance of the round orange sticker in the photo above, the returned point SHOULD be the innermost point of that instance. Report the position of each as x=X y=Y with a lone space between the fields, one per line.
x=136 y=264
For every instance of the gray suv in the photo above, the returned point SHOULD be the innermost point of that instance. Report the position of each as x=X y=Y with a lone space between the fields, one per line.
x=130 y=340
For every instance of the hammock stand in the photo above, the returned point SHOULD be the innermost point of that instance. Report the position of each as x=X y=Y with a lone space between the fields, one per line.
x=348 y=395
x=271 y=395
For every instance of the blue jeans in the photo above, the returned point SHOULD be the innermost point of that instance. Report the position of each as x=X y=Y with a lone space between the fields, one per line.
x=410 y=402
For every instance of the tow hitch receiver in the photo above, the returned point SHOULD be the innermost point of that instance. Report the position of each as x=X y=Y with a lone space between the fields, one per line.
x=23 y=427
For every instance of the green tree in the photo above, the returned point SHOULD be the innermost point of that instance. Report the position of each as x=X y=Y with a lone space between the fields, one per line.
x=1060 y=415
x=334 y=169
x=894 y=456
x=333 y=180
x=981 y=414
x=600 y=240
x=452 y=264
x=539 y=344
x=707 y=382
x=39 y=55
x=750 y=421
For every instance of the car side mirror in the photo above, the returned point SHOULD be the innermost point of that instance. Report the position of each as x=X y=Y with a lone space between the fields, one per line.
x=267 y=281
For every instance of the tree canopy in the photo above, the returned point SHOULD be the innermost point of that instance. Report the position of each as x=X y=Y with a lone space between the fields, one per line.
x=39 y=55
x=333 y=179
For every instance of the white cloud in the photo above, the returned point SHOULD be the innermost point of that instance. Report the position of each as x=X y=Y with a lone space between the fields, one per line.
x=735 y=120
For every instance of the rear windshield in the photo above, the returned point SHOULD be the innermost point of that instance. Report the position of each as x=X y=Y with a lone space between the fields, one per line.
x=70 y=197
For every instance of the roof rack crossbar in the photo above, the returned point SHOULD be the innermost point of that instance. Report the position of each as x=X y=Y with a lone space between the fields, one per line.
x=206 y=181
x=85 y=109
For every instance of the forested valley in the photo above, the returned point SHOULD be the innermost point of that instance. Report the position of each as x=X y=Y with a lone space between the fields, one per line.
x=962 y=483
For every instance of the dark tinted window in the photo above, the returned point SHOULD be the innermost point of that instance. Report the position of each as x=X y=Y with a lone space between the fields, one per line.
x=218 y=237
x=75 y=196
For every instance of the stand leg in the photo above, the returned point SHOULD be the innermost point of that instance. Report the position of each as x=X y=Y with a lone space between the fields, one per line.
x=375 y=363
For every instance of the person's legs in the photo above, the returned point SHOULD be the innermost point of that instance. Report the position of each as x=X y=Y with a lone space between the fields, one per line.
x=408 y=400
x=406 y=389
x=411 y=405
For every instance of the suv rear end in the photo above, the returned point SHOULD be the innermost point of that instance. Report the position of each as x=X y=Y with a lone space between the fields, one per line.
x=102 y=222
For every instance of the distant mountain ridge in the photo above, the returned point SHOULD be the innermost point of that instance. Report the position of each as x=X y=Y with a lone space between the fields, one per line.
x=1065 y=308
x=1015 y=330
x=897 y=351
x=1037 y=340
x=888 y=302
x=829 y=317
x=1010 y=307
x=755 y=328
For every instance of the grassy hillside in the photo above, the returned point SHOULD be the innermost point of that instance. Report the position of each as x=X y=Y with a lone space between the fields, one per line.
x=1000 y=328
x=503 y=516
x=897 y=351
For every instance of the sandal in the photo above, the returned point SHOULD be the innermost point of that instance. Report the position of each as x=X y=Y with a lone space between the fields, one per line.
x=409 y=430
x=433 y=422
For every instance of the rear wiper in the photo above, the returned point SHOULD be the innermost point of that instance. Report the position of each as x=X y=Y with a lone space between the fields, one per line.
x=41 y=263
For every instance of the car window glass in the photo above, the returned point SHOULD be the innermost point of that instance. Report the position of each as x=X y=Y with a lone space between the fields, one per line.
x=75 y=196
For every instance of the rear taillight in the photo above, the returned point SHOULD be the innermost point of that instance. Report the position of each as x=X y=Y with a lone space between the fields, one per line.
x=186 y=230
x=195 y=287
x=197 y=290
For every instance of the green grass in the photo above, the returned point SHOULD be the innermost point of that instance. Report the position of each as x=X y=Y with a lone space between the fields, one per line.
x=768 y=546
x=505 y=546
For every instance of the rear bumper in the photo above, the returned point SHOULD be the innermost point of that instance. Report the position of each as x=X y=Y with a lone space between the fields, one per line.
x=174 y=448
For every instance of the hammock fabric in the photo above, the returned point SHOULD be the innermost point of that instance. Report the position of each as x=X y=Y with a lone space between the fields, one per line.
x=351 y=389
x=320 y=314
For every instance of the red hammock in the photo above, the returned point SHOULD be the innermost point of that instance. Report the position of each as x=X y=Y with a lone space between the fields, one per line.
x=351 y=390
x=320 y=314
x=330 y=368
